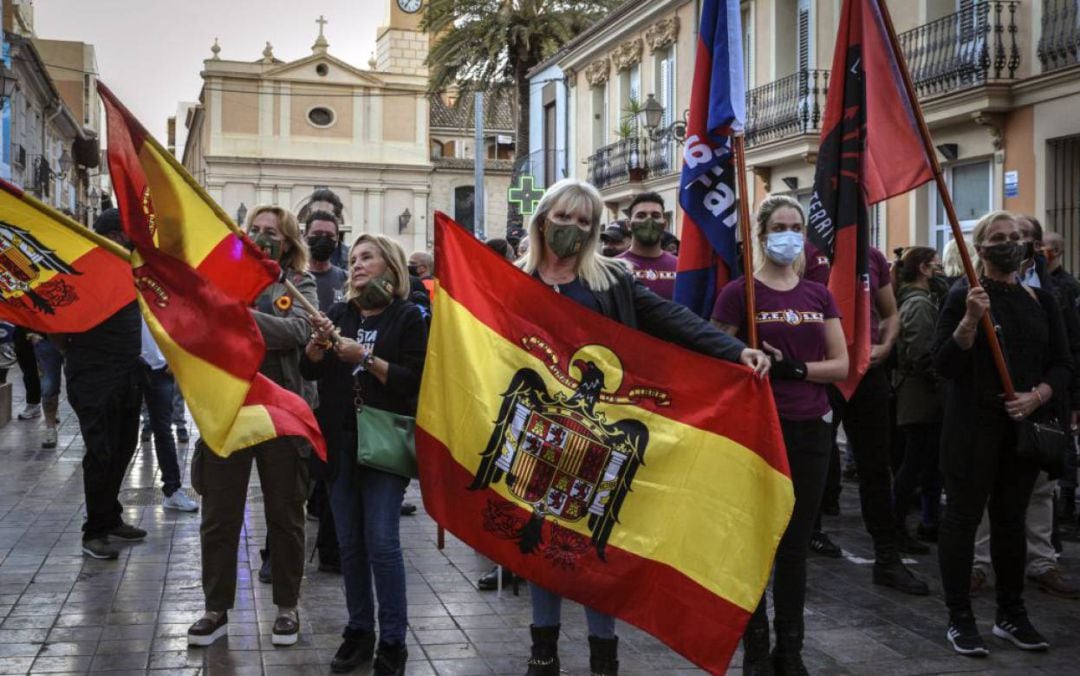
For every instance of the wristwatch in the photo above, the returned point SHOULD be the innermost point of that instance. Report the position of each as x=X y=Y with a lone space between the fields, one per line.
x=368 y=360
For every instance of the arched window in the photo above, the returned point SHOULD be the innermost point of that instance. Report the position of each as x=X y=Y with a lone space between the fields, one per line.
x=436 y=150
x=465 y=207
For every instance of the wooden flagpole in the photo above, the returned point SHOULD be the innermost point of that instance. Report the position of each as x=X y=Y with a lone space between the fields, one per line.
x=739 y=146
x=946 y=199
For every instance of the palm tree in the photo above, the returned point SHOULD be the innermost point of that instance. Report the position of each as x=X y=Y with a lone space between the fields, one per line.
x=485 y=44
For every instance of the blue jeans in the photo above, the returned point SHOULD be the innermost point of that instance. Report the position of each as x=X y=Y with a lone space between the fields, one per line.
x=367 y=512
x=158 y=394
x=547 y=612
x=50 y=363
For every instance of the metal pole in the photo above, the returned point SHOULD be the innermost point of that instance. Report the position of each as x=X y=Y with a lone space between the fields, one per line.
x=478 y=142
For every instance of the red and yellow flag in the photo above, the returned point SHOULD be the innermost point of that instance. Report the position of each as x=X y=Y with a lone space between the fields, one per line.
x=196 y=277
x=56 y=275
x=613 y=468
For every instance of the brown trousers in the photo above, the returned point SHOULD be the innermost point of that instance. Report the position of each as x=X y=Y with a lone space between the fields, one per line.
x=223 y=483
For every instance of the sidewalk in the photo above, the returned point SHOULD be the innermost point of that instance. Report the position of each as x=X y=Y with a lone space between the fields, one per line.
x=62 y=612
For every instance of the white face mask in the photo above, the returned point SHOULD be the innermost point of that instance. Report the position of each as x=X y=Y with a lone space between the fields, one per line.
x=784 y=247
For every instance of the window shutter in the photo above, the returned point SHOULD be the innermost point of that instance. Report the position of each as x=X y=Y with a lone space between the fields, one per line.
x=803 y=62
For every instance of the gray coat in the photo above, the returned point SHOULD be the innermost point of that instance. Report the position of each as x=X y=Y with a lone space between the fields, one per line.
x=285 y=333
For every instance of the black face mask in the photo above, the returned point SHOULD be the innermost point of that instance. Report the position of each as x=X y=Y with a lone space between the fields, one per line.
x=609 y=251
x=1006 y=256
x=414 y=271
x=321 y=247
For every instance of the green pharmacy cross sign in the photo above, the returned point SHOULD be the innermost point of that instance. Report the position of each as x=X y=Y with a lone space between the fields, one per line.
x=525 y=196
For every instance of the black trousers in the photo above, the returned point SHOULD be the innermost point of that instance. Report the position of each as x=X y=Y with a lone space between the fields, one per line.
x=1001 y=484
x=866 y=422
x=319 y=504
x=919 y=470
x=108 y=413
x=24 y=355
x=808 y=444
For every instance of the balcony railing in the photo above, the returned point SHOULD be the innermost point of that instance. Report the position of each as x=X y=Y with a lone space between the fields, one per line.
x=1059 y=46
x=635 y=159
x=964 y=49
x=787 y=107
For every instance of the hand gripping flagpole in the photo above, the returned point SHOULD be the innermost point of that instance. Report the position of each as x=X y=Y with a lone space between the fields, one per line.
x=739 y=146
x=946 y=199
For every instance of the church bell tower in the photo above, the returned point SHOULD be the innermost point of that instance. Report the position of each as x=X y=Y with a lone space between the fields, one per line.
x=401 y=46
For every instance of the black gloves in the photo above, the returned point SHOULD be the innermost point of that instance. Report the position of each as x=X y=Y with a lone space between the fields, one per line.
x=788 y=368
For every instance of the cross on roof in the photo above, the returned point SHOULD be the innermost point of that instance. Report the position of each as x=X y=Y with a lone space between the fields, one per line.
x=322 y=23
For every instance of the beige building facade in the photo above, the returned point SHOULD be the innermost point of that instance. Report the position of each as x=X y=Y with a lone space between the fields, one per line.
x=268 y=131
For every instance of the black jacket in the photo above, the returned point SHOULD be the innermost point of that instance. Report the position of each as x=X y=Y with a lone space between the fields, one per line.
x=629 y=302
x=1036 y=350
x=402 y=342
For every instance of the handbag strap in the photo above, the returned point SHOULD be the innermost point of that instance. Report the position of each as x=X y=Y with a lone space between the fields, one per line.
x=358 y=393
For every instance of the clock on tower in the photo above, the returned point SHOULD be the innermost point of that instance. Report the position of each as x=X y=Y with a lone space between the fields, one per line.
x=410 y=6
x=406 y=14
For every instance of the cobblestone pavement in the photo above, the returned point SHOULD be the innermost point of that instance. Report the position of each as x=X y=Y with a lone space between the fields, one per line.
x=61 y=612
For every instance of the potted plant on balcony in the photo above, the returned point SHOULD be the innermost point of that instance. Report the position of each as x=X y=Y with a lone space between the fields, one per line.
x=632 y=140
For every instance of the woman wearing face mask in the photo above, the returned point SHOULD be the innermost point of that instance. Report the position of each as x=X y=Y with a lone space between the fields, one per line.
x=799 y=326
x=918 y=396
x=282 y=463
x=980 y=466
x=564 y=232
x=380 y=355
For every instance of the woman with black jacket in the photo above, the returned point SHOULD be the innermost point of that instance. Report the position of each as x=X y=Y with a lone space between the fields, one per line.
x=565 y=230
x=378 y=358
x=980 y=464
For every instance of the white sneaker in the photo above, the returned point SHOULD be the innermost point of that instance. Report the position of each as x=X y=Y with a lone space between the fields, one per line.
x=180 y=502
x=30 y=412
x=49 y=439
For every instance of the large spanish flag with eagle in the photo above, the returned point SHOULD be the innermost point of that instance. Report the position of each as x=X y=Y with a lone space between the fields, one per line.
x=197 y=277
x=56 y=275
x=613 y=468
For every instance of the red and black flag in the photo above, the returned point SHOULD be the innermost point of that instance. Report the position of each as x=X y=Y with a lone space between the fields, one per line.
x=871 y=150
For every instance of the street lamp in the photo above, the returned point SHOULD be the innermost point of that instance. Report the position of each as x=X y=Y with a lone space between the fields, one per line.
x=8 y=82
x=403 y=221
x=654 y=113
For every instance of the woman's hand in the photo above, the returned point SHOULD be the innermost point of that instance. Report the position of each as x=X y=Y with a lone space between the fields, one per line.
x=757 y=360
x=784 y=369
x=322 y=326
x=349 y=351
x=978 y=302
x=1023 y=405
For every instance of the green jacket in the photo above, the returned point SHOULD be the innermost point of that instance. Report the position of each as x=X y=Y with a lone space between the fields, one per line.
x=918 y=400
x=286 y=333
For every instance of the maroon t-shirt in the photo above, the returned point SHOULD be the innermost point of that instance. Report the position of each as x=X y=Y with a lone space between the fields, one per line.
x=794 y=323
x=817 y=270
x=657 y=274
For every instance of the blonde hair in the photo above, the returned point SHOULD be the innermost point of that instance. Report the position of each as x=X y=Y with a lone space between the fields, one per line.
x=296 y=258
x=571 y=194
x=394 y=256
x=978 y=235
x=769 y=206
x=951 y=260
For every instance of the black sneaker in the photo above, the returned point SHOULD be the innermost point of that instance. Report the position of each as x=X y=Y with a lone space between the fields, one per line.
x=126 y=531
x=490 y=580
x=926 y=533
x=964 y=636
x=206 y=630
x=909 y=545
x=897 y=576
x=1017 y=628
x=266 y=573
x=821 y=544
x=390 y=660
x=182 y=436
x=408 y=509
x=99 y=548
x=358 y=648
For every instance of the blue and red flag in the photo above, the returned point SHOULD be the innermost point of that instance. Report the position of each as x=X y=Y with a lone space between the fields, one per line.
x=709 y=252
x=871 y=150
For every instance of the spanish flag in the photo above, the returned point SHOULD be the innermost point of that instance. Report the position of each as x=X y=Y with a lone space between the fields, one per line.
x=603 y=464
x=56 y=275
x=196 y=278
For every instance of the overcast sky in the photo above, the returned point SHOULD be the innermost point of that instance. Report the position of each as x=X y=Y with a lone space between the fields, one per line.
x=150 y=52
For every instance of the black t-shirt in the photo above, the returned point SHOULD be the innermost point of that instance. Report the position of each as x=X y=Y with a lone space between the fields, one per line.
x=109 y=350
x=575 y=291
x=330 y=286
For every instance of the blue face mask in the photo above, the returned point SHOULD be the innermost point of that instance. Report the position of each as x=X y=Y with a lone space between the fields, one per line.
x=784 y=247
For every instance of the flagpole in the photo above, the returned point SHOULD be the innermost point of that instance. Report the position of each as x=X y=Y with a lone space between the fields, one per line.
x=946 y=199
x=739 y=146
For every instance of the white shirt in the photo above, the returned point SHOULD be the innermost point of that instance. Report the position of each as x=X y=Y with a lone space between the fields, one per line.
x=151 y=353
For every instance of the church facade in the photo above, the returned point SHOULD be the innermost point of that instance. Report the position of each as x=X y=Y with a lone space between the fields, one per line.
x=271 y=132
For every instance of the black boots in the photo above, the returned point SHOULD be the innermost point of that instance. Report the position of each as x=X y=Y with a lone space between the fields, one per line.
x=787 y=658
x=756 y=659
x=604 y=656
x=544 y=660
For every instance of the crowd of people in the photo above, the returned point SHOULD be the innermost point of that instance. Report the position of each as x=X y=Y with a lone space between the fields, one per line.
x=930 y=418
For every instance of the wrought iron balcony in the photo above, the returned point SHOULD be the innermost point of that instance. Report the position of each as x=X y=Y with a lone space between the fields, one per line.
x=787 y=107
x=635 y=159
x=964 y=49
x=1059 y=45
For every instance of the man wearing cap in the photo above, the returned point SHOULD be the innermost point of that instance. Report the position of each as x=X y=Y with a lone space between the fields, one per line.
x=653 y=267
x=104 y=385
x=615 y=239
